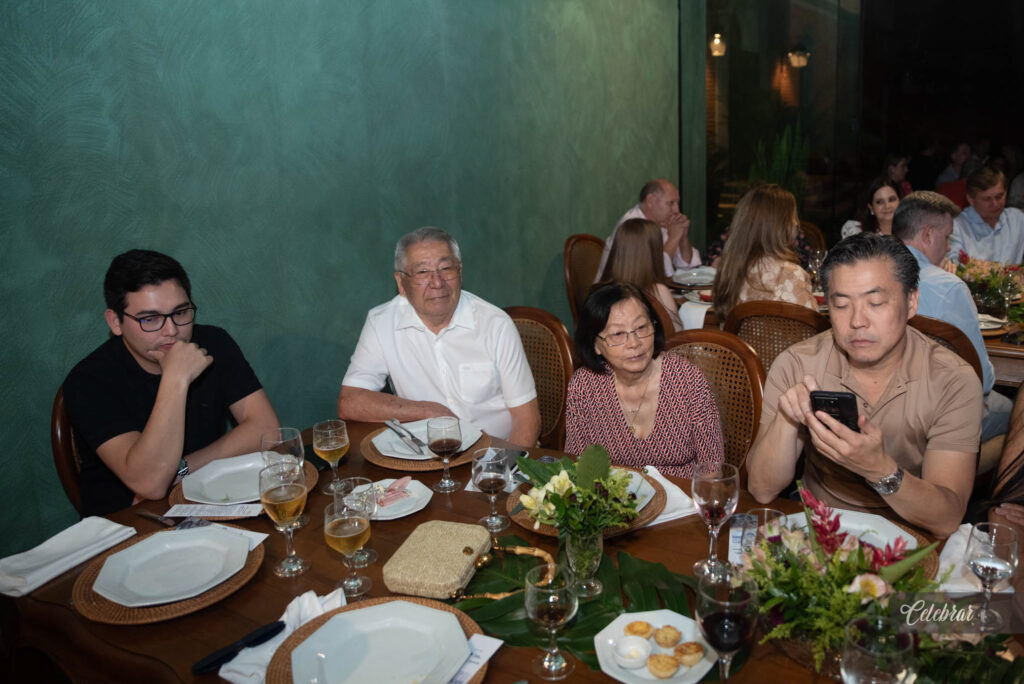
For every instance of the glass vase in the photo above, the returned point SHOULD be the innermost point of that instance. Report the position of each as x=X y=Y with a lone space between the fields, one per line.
x=584 y=554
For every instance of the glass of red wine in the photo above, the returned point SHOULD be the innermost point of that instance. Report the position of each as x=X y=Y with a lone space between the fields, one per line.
x=444 y=437
x=491 y=476
x=716 y=491
x=726 y=613
x=551 y=602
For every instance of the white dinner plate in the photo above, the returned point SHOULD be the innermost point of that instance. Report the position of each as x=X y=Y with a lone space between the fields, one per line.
x=390 y=444
x=171 y=566
x=659 y=618
x=643 y=489
x=419 y=497
x=391 y=642
x=702 y=276
x=226 y=481
x=874 y=529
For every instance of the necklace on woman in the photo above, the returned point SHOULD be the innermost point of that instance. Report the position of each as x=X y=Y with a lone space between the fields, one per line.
x=633 y=412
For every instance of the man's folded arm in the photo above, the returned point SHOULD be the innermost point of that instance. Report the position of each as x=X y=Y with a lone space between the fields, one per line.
x=356 y=403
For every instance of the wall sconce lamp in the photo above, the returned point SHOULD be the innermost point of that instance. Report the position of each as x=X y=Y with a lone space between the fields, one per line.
x=798 y=56
x=717 y=46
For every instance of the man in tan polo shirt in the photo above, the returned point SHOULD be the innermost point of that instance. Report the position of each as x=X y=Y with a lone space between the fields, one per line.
x=919 y=404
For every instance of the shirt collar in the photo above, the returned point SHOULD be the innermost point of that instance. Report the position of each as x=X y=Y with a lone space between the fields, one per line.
x=922 y=260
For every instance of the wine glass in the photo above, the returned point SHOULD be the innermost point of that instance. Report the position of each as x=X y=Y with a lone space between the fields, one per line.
x=815 y=258
x=761 y=524
x=551 y=602
x=346 y=529
x=284 y=444
x=491 y=476
x=992 y=556
x=361 y=485
x=330 y=442
x=875 y=651
x=445 y=439
x=716 y=491
x=726 y=612
x=283 y=495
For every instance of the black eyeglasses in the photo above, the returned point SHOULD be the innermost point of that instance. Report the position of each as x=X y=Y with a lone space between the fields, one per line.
x=425 y=275
x=618 y=339
x=155 y=322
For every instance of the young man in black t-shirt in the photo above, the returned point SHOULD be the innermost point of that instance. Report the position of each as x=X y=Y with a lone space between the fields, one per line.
x=152 y=403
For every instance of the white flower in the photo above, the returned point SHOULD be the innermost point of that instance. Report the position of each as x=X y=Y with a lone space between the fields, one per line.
x=560 y=483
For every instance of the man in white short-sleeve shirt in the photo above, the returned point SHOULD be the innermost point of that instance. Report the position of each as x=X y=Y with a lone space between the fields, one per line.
x=447 y=352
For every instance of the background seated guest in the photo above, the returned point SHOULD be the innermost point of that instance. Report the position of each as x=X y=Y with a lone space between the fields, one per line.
x=758 y=262
x=895 y=169
x=447 y=352
x=659 y=202
x=645 y=407
x=960 y=154
x=924 y=222
x=988 y=229
x=919 y=404
x=800 y=245
x=875 y=214
x=153 y=402
x=636 y=259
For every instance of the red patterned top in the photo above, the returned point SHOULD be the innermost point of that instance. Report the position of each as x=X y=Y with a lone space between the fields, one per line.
x=687 y=430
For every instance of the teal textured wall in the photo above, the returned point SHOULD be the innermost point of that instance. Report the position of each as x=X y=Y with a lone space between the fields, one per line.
x=278 y=149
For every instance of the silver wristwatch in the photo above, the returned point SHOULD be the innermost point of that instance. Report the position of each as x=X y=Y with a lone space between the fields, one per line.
x=890 y=484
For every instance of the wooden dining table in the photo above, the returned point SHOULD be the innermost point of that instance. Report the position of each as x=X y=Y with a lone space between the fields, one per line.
x=165 y=651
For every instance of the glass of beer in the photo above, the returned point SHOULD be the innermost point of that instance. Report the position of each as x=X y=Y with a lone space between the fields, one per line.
x=283 y=495
x=284 y=444
x=346 y=530
x=330 y=442
x=444 y=437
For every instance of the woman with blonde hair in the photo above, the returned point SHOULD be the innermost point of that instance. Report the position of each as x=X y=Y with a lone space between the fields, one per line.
x=636 y=258
x=758 y=261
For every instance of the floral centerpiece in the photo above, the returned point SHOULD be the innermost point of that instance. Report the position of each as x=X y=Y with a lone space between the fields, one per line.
x=991 y=283
x=813 y=582
x=582 y=498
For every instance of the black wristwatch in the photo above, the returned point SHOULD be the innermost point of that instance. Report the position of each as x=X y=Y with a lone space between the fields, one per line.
x=888 y=485
x=182 y=468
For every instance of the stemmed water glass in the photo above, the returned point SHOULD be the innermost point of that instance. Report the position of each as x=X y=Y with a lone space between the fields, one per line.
x=444 y=437
x=283 y=495
x=874 y=651
x=992 y=556
x=284 y=444
x=551 y=603
x=330 y=442
x=364 y=556
x=716 y=491
x=346 y=530
x=761 y=524
x=491 y=475
x=815 y=259
x=726 y=613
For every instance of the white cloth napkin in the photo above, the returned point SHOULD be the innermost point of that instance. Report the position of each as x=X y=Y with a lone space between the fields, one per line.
x=250 y=665
x=962 y=580
x=24 y=572
x=692 y=314
x=677 y=504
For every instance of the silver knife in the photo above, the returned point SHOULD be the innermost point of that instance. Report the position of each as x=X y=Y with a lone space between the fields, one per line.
x=411 y=440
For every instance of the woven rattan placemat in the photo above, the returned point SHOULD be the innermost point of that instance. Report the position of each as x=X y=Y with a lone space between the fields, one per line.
x=930 y=564
x=177 y=495
x=651 y=511
x=92 y=606
x=280 y=669
x=371 y=454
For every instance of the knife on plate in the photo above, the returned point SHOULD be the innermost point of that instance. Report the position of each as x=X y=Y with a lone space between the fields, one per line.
x=223 y=655
x=406 y=435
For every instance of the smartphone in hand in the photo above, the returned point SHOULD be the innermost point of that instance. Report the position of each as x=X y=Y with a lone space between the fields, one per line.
x=840 y=405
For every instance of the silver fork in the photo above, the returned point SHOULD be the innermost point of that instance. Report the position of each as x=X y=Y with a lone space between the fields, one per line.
x=411 y=440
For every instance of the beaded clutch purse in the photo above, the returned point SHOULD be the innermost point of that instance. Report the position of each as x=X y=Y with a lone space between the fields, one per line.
x=437 y=560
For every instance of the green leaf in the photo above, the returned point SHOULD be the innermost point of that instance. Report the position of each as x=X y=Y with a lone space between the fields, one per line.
x=592 y=465
x=539 y=472
x=891 y=573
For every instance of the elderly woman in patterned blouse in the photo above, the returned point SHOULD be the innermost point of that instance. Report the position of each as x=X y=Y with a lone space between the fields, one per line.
x=758 y=261
x=645 y=407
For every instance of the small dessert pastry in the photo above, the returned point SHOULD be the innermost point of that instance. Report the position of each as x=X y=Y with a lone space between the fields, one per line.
x=689 y=654
x=640 y=628
x=667 y=636
x=662 y=666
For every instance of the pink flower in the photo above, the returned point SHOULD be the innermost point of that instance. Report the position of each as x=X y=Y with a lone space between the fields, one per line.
x=869 y=586
x=890 y=554
x=825 y=522
x=963 y=257
x=850 y=545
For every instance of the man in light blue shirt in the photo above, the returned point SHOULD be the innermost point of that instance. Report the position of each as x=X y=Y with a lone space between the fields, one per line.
x=988 y=229
x=924 y=222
